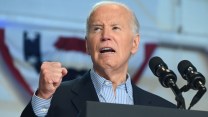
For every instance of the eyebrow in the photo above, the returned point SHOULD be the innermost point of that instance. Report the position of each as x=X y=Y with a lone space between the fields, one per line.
x=96 y=25
x=115 y=25
x=99 y=24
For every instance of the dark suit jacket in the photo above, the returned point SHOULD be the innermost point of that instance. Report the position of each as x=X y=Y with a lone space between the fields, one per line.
x=71 y=96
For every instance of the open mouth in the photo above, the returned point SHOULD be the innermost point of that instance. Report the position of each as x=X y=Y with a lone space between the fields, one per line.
x=107 y=50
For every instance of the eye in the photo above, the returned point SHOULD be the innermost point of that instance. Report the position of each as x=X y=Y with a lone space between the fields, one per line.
x=116 y=28
x=97 y=29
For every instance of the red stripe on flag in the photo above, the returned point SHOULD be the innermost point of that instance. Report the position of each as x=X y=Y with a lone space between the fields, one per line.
x=71 y=43
x=149 y=49
x=8 y=60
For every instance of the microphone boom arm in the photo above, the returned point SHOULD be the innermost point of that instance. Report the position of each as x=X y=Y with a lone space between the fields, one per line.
x=197 y=97
x=178 y=95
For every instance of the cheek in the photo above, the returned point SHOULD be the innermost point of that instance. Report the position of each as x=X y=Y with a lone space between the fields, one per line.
x=87 y=45
x=127 y=45
x=127 y=48
x=91 y=47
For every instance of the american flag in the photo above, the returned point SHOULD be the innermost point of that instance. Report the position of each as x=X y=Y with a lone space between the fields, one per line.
x=23 y=51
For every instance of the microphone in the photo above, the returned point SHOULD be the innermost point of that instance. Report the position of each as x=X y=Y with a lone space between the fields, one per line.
x=167 y=79
x=160 y=69
x=195 y=80
x=188 y=72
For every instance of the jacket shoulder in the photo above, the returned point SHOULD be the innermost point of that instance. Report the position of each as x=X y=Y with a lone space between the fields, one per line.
x=143 y=97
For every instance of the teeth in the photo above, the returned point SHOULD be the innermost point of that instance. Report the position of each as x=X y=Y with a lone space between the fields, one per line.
x=103 y=49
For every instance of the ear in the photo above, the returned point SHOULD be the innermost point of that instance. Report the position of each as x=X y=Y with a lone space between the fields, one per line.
x=135 y=43
x=86 y=45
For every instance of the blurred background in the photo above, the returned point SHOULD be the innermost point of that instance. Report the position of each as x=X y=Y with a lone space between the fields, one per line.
x=33 y=31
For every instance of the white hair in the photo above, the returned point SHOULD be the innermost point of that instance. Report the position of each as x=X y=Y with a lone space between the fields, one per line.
x=135 y=22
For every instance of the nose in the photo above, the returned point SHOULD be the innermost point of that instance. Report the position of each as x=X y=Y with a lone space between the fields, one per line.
x=105 y=35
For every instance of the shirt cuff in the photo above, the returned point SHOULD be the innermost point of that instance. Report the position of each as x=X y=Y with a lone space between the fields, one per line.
x=40 y=106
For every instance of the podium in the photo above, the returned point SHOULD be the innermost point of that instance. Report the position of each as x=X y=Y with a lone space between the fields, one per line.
x=96 y=109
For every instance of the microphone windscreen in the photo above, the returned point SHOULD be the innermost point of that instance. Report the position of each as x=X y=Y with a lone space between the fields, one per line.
x=154 y=62
x=184 y=65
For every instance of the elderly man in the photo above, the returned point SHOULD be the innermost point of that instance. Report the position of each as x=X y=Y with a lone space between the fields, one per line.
x=112 y=38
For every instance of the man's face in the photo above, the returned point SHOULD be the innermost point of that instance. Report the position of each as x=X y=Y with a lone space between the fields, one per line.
x=111 y=40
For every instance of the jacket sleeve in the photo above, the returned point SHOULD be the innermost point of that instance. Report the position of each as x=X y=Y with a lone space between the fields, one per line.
x=28 y=111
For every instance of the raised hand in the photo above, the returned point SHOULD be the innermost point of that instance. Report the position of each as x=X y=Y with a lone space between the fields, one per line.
x=51 y=75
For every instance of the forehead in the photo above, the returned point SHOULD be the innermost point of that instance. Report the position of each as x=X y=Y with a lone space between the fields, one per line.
x=110 y=12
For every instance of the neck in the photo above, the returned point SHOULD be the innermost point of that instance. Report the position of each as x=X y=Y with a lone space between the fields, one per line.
x=117 y=77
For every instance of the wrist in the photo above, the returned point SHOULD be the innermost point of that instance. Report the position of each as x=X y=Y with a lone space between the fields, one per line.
x=43 y=95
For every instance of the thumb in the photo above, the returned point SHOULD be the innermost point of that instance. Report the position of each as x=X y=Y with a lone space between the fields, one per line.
x=64 y=71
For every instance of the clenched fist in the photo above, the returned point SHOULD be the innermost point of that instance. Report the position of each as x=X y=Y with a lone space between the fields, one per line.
x=51 y=75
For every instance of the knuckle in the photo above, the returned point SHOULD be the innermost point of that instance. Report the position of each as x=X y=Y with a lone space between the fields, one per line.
x=42 y=66
x=58 y=64
x=45 y=65
x=44 y=71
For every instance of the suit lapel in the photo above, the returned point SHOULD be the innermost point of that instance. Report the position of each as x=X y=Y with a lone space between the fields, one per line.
x=136 y=95
x=84 y=91
x=139 y=96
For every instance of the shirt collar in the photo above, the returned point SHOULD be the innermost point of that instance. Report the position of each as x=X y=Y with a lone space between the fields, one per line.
x=98 y=82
